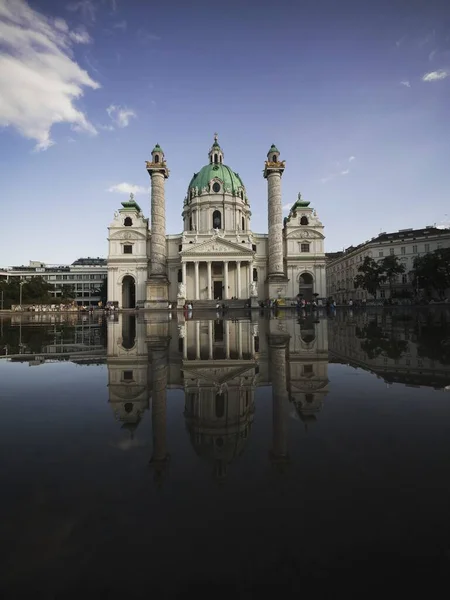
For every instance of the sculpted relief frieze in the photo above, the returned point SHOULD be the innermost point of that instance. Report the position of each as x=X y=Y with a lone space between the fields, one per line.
x=304 y=234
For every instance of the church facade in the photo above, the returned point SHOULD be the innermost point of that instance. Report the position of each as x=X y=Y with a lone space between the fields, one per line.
x=217 y=256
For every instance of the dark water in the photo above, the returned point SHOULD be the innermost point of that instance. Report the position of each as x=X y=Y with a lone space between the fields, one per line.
x=225 y=458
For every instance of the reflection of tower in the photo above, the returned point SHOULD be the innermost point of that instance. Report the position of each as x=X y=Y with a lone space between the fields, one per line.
x=158 y=284
x=219 y=390
x=278 y=341
x=159 y=358
x=127 y=370
x=307 y=373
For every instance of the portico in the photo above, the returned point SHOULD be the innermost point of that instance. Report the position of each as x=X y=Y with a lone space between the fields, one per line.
x=216 y=279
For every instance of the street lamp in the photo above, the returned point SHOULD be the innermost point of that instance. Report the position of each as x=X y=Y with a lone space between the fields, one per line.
x=21 y=284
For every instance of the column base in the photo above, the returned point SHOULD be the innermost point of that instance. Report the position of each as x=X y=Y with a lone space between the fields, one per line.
x=277 y=286
x=181 y=303
x=157 y=293
x=254 y=303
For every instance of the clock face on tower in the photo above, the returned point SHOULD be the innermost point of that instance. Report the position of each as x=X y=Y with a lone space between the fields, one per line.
x=216 y=187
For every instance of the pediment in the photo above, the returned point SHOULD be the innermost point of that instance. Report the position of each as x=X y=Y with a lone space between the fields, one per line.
x=127 y=234
x=217 y=375
x=217 y=245
x=302 y=233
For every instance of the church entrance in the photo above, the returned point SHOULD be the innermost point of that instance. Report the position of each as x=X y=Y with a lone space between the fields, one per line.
x=306 y=283
x=128 y=292
x=218 y=290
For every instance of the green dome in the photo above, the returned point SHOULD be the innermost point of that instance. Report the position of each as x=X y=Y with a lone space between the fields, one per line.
x=230 y=180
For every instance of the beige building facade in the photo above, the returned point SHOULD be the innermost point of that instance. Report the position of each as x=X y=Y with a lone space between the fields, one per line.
x=217 y=256
x=406 y=244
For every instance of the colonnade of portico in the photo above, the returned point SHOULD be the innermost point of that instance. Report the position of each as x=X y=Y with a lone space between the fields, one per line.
x=233 y=277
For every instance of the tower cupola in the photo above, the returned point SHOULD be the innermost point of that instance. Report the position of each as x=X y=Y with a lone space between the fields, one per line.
x=274 y=154
x=216 y=155
x=157 y=154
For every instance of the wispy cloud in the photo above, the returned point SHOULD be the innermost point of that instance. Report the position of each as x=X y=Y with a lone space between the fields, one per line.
x=351 y=158
x=120 y=115
x=144 y=36
x=405 y=83
x=39 y=79
x=432 y=54
x=345 y=172
x=287 y=207
x=399 y=42
x=435 y=75
x=80 y=36
x=86 y=8
x=427 y=39
x=128 y=188
x=120 y=25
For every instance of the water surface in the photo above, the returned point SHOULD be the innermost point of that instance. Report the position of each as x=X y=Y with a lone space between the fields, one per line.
x=164 y=456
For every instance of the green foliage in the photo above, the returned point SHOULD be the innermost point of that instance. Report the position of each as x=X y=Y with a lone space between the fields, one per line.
x=432 y=271
x=35 y=290
x=377 y=342
x=391 y=267
x=370 y=276
x=67 y=293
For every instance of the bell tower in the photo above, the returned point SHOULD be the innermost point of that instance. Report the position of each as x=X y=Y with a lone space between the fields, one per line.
x=216 y=155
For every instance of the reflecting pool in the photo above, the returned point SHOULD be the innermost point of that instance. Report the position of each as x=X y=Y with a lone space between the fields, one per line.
x=166 y=455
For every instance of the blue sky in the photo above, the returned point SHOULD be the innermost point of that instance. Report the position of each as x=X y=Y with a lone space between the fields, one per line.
x=355 y=94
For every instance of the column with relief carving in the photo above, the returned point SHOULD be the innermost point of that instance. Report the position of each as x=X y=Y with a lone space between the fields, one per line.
x=276 y=279
x=158 y=346
x=158 y=283
x=278 y=340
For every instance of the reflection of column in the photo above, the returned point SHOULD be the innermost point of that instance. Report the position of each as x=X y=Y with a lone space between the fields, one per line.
x=225 y=279
x=209 y=279
x=240 y=338
x=227 y=339
x=210 y=339
x=160 y=456
x=196 y=281
x=238 y=267
x=197 y=339
x=280 y=400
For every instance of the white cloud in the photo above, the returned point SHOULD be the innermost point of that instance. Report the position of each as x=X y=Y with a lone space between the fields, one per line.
x=81 y=36
x=86 y=8
x=128 y=188
x=39 y=79
x=435 y=75
x=405 y=83
x=432 y=55
x=145 y=37
x=120 y=115
x=287 y=207
x=351 y=159
x=346 y=172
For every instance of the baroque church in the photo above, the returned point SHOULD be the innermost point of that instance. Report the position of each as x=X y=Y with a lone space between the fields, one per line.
x=217 y=256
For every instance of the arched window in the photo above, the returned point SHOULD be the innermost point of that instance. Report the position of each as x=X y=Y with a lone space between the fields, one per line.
x=304 y=221
x=220 y=406
x=243 y=224
x=190 y=223
x=128 y=406
x=128 y=222
x=156 y=158
x=255 y=274
x=274 y=158
x=180 y=276
x=217 y=219
x=242 y=194
x=216 y=159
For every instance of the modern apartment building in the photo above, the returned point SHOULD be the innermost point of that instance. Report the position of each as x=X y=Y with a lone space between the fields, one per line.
x=85 y=276
x=406 y=244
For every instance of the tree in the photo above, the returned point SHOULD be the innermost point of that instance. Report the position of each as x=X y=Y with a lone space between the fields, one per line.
x=391 y=267
x=432 y=271
x=370 y=276
x=68 y=293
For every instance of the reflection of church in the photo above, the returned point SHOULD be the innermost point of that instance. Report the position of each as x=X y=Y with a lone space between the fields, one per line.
x=219 y=364
x=216 y=255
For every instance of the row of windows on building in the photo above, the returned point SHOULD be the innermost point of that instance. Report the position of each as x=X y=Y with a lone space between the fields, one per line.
x=381 y=254
x=71 y=277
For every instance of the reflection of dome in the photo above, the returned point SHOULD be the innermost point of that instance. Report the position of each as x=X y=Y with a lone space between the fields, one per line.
x=231 y=182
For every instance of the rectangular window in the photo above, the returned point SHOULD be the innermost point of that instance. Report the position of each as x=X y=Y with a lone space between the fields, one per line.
x=127 y=249
x=415 y=249
x=403 y=250
x=128 y=375
x=305 y=247
x=380 y=254
x=427 y=247
x=392 y=251
x=404 y=278
x=381 y=293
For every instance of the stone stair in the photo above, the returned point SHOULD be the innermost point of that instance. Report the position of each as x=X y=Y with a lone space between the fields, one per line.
x=211 y=304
